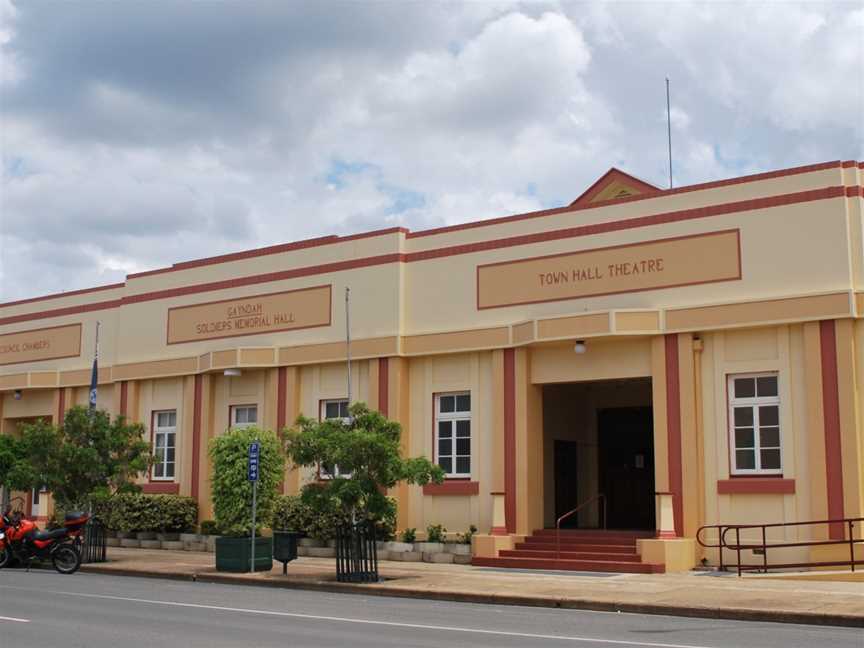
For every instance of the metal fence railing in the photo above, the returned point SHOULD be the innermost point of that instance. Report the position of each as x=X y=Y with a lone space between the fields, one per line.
x=729 y=538
x=93 y=542
x=356 y=554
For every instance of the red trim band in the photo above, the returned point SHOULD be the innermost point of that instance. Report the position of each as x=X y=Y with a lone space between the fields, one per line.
x=538 y=237
x=673 y=430
x=281 y=398
x=384 y=386
x=124 y=397
x=831 y=414
x=160 y=488
x=665 y=192
x=196 y=433
x=453 y=487
x=510 y=439
x=61 y=405
x=756 y=486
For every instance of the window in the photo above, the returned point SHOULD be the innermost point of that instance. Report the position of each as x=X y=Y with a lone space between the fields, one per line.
x=244 y=416
x=453 y=433
x=36 y=501
x=333 y=409
x=165 y=444
x=754 y=424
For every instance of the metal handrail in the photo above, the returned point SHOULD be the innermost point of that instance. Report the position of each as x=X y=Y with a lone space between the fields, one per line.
x=764 y=545
x=598 y=496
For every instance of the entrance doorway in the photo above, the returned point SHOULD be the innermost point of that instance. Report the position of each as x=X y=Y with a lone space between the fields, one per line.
x=626 y=439
x=599 y=440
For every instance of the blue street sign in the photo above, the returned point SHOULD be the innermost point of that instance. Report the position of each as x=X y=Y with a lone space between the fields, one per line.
x=254 y=451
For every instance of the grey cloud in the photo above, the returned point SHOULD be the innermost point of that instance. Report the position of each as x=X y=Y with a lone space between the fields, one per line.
x=141 y=134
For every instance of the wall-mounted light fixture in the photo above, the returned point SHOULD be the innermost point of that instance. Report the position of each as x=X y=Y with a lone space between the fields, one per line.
x=232 y=372
x=17 y=394
x=580 y=347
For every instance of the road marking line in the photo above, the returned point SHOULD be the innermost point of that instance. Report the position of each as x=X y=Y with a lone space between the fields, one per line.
x=2 y=618
x=392 y=624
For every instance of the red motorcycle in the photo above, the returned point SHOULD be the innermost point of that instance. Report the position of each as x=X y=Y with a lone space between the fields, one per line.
x=21 y=539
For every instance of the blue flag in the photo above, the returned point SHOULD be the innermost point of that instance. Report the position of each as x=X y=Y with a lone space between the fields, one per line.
x=94 y=380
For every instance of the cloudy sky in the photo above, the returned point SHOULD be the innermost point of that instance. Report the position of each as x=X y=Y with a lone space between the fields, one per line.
x=137 y=134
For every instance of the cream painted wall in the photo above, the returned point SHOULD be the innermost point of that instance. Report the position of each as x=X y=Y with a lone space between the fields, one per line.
x=246 y=389
x=33 y=403
x=162 y=395
x=439 y=374
x=777 y=349
x=604 y=359
x=104 y=397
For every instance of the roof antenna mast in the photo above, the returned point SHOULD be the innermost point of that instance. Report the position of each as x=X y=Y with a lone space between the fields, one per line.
x=669 y=130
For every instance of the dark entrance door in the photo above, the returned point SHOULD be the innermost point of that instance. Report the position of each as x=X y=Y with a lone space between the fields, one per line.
x=626 y=440
x=566 y=482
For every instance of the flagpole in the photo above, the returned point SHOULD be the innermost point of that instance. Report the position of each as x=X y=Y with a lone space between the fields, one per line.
x=348 y=339
x=94 y=376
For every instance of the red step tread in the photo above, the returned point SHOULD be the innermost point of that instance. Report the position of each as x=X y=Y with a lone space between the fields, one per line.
x=568 y=555
x=574 y=546
x=570 y=565
x=594 y=533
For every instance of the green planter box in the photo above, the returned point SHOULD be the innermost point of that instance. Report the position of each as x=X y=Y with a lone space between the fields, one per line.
x=232 y=554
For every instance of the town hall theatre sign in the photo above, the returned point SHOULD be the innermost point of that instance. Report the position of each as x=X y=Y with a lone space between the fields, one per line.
x=652 y=265
x=281 y=311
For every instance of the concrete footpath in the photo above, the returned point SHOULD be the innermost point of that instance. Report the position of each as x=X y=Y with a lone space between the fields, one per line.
x=695 y=594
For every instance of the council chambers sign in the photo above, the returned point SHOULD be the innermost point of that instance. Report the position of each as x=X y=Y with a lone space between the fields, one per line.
x=41 y=344
x=650 y=265
x=281 y=311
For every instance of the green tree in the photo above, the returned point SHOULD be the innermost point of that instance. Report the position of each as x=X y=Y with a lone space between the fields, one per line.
x=366 y=451
x=231 y=489
x=15 y=472
x=89 y=457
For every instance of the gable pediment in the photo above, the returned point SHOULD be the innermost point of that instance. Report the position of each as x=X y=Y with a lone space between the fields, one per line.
x=613 y=185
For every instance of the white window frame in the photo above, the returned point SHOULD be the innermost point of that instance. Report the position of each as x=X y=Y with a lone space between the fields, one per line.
x=164 y=430
x=322 y=416
x=754 y=402
x=37 y=501
x=323 y=473
x=453 y=417
x=245 y=424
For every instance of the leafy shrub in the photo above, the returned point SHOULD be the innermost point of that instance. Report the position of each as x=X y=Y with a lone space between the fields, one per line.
x=435 y=533
x=465 y=538
x=136 y=512
x=209 y=527
x=176 y=513
x=317 y=520
x=409 y=536
x=232 y=491
x=385 y=525
x=319 y=517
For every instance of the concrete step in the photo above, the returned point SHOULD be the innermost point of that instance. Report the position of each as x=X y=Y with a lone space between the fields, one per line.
x=568 y=555
x=570 y=565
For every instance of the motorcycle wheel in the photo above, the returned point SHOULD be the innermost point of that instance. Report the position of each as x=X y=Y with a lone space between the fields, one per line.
x=66 y=559
x=5 y=557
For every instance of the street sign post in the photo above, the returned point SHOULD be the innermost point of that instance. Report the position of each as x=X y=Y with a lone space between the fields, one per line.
x=254 y=454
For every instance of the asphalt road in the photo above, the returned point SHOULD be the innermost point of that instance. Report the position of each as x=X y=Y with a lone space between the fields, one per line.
x=43 y=609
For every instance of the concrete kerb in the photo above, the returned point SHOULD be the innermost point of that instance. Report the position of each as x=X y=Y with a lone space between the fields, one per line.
x=734 y=614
